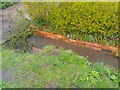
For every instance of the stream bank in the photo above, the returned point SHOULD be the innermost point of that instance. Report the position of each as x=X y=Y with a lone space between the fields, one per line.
x=92 y=55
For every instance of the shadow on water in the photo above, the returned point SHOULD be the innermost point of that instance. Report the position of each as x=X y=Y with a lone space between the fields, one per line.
x=92 y=55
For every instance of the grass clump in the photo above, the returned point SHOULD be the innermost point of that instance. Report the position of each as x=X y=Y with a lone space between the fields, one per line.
x=45 y=69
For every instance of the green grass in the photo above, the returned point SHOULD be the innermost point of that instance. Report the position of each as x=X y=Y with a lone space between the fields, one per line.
x=4 y=5
x=56 y=68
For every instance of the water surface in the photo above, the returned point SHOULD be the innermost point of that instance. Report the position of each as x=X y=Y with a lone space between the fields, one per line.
x=92 y=55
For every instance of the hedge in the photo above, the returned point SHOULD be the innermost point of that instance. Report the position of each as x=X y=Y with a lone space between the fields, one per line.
x=89 y=21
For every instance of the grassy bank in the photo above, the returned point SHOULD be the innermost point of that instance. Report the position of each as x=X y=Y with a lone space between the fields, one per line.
x=51 y=67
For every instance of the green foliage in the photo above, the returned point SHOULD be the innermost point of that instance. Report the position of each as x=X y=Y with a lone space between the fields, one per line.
x=19 y=38
x=4 y=5
x=20 y=35
x=102 y=83
x=80 y=20
x=42 y=70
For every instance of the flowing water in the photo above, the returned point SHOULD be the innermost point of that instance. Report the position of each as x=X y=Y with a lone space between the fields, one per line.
x=92 y=55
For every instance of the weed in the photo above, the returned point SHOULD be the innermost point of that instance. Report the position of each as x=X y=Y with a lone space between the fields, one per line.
x=19 y=38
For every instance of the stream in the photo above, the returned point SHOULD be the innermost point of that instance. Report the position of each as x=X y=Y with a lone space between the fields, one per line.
x=92 y=55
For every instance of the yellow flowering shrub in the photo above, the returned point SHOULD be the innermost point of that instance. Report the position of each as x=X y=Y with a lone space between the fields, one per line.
x=79 y=19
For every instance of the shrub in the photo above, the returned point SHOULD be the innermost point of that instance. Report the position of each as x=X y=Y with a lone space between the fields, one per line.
x=4 y=5
x=20 y=37
x=79 y=19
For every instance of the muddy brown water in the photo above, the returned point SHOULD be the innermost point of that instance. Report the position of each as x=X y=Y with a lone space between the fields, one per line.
x=92 y=55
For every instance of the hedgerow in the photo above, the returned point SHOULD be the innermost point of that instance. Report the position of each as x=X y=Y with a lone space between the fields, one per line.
x=89 y=21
